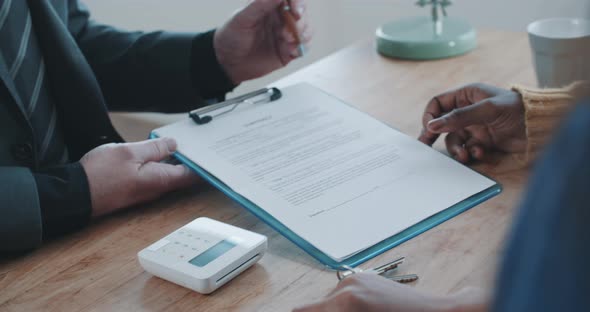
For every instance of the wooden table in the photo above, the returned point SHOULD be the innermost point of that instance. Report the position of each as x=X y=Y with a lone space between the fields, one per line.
x=97 y=270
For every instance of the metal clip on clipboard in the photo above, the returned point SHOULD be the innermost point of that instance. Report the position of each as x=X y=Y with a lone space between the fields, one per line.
x=261 y=96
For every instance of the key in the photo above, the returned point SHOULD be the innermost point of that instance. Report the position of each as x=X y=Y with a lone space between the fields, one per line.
x=403 y=278
x=349 y=271
x=389 y=266
x=382 y=270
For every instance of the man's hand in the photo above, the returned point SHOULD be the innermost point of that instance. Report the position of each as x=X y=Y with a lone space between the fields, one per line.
x=256 y=41
x=372 y=293
x=121 y=175
x=479 y=119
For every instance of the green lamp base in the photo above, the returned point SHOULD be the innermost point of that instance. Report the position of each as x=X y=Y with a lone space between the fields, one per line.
x=419 y=38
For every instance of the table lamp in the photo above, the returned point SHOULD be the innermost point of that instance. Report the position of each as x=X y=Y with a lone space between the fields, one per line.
x=427 y=37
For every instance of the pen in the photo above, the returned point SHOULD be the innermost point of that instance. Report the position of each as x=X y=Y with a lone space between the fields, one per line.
x=292 y=25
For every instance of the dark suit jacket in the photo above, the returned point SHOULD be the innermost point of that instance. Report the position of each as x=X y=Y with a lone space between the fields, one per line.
x=90 y=68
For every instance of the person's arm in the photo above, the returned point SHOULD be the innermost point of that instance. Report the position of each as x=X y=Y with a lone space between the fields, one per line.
x=174 y=72
x=34 y=206
x=545 y=109
x=62 y=199
x=372 y=293
x=20 y=214
x=481 y=119
x=162 y=71
x=551 y=228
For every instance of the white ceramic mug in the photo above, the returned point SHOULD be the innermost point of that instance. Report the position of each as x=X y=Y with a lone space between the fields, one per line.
x=561 y=50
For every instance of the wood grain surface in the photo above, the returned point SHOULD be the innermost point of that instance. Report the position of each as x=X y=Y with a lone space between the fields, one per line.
x=97 y=269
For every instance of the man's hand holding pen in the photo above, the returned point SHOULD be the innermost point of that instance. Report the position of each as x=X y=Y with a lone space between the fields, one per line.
x=264 y=36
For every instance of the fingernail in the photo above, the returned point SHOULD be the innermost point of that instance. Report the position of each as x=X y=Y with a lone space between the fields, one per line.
x=458 y=151
x=295 y=53
x=300 y=9
x=437 y=124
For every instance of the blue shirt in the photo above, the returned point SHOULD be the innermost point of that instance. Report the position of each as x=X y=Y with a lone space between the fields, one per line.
x=547 y=263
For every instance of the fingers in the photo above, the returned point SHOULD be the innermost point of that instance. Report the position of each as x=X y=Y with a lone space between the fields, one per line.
x=463 y=148
x=431 y=112
x=258 y=9
x=476 y=147
x=121 y=175
x=288 y=44
x=179 y=176
x=331 y=299
x=162 y=178
x=460 y=118
x=476 y=152
x=299 y=7
x=455 y=142
x=444 y=102
x=302 y=29
x=436 y=107
x=289 y=52
x=156 y=176
x=152 y=150
x=294 y=31
x=447 y=102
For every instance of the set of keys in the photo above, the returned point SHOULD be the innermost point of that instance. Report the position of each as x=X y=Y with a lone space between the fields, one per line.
x=382 y=270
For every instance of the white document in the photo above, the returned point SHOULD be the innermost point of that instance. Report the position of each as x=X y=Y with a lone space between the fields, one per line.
x=335 y=176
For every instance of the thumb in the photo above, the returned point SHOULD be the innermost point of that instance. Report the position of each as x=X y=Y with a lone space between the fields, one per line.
x=477 y=114
x=153 y=150
x=258 y=9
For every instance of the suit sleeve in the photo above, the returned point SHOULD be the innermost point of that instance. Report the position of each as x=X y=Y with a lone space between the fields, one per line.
x=158 y=71
x=41 y=205
x=20 y=213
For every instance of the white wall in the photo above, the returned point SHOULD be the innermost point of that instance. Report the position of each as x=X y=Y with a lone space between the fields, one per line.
x=336 y=23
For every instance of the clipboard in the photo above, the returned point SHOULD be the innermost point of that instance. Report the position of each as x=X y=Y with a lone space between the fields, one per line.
x=205 y=115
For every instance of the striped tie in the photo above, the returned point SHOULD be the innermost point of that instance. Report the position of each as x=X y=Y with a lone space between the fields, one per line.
x=26 y=67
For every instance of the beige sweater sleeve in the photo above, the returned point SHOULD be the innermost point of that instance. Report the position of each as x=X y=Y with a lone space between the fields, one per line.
x=544 y=109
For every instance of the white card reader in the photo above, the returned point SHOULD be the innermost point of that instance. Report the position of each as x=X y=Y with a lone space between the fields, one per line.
x=203 y=255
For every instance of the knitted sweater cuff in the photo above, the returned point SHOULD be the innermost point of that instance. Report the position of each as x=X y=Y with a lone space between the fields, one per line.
x=544 y=109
